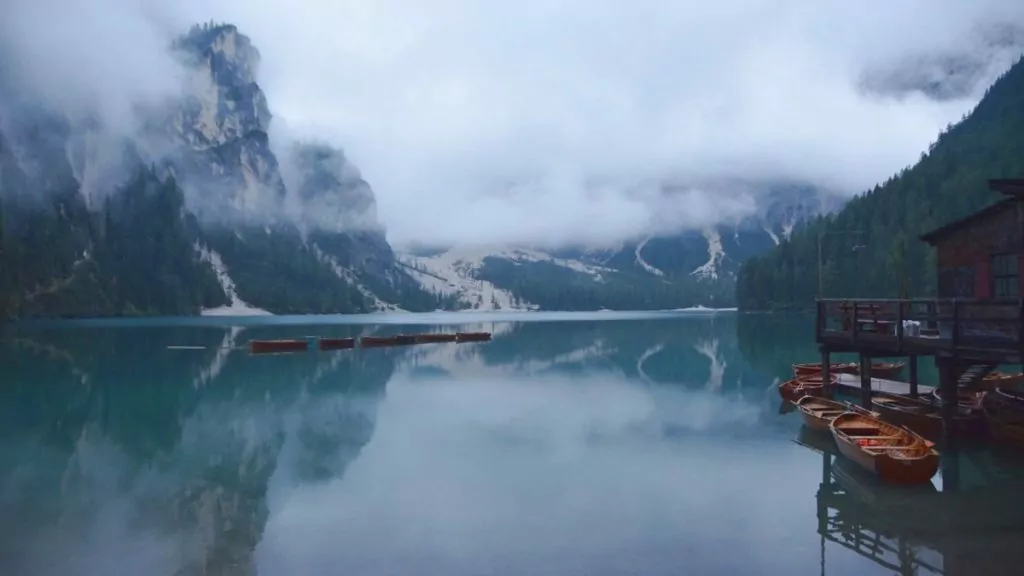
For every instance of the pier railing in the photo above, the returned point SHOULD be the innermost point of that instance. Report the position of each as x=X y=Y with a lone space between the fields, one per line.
x=923 y=324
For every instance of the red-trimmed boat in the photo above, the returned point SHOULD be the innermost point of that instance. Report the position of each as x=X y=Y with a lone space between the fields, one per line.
x=894 y=454
x=797 y=388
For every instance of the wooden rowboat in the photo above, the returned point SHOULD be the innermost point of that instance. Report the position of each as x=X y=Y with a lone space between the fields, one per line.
x=892 y=453
x=797 y=388
x=1003 y=380
x=1005 y=432
x=924 y=416
x=886 y=370
x=273 y=346
x=432 y=338
x=336 y=343
x=967 y=400
x=1005 y=405
x=818 y=413
x=377 y=341
x=812 y=368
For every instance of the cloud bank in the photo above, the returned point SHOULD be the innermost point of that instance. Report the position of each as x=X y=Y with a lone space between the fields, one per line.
x=485 y=122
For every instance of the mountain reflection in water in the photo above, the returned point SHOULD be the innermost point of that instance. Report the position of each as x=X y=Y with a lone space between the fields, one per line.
x=603 y=446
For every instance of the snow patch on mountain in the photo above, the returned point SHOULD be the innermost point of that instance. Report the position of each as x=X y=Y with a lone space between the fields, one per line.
x=236 y=306
x=640 y=259
x=710 y=269
x=454 y=273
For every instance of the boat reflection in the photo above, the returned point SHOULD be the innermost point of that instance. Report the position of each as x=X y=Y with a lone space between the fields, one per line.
x=919 y=529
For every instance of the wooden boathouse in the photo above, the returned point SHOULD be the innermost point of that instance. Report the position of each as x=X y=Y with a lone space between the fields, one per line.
x=975 y=323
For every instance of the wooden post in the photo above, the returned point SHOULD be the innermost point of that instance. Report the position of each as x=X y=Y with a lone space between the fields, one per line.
x=950 y=464
x=865 y=381
x=856 y=328
x=955 y=325
x=819 y=324
x=899 y=324
x=826 y=368
x=947 y=391
x=912 y=360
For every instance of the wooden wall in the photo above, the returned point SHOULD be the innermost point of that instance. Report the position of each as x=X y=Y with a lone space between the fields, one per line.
x=963 y=255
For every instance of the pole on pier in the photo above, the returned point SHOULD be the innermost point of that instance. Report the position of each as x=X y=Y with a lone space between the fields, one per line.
x=947 y=391
x=826 y=369
x=912 y=360
x=865 y=381
x=950 y=465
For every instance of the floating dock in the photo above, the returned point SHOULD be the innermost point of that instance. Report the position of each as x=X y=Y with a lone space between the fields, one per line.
x=328 y=344
x=435 y=338
x=275 y=346
x=336 y=343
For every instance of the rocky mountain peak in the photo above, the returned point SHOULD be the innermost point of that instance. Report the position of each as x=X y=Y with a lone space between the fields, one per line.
x=223 y=99
x=330 y=190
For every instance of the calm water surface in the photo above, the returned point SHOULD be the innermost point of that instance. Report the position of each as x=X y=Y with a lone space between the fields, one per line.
x=608 y=445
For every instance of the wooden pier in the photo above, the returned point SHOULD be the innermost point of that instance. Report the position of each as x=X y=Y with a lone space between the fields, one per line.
x=967 y=339
x=976 y=323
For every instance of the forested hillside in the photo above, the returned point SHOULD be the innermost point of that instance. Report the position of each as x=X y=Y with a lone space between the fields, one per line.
x=871 y=247
x=133 y=256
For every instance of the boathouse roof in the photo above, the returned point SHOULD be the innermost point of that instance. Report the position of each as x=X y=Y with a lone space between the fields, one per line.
x=1013 y=187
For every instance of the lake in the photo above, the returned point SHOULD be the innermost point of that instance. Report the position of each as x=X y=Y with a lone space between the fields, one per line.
x=572 y=444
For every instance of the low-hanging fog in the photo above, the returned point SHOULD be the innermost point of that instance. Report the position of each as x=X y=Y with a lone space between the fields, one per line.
x=558 y=121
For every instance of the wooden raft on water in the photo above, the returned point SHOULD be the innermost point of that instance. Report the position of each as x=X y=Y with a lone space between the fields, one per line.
x=328 y=344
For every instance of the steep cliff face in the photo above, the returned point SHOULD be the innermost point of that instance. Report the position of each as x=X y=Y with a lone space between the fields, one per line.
x=330 y=193
x=223 y=155
x=241 y=231
x=308 y=219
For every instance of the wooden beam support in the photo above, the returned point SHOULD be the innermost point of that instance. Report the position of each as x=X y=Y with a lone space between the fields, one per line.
x=912 y=360
x=826 y=369
x=948 y=375
x=865 y=381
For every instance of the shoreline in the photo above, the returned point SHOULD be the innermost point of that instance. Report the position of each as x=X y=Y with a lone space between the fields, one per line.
x=236 y=316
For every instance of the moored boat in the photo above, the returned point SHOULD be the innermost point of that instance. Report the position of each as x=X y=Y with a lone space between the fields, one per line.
x=886 y=370
x=894 y=454
x=1009 y=433
x=1003 y=380
x=812 y=368
x=272 y=346
x=336 y=343
x=966 y=399
x=377 y=341
x=1005 y=405
x=431 y=338
x=818 y=413
x=924 y=416
x=797 y=388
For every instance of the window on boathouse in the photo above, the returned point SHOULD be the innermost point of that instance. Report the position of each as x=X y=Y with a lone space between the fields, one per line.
x=1005 y=283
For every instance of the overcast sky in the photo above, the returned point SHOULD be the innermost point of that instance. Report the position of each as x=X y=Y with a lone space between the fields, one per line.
x=479 y=121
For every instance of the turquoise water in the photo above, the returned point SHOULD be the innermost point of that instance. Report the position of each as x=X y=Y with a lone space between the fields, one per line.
x=579 y=444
